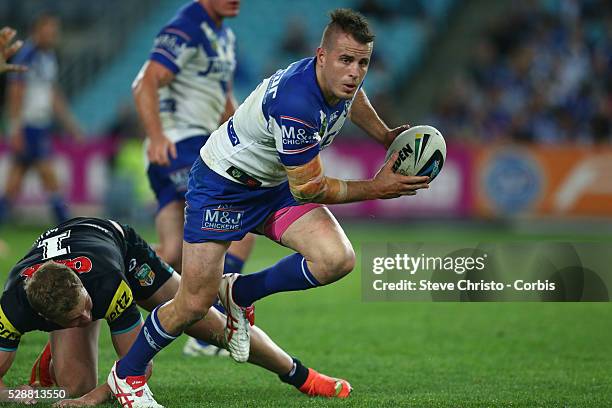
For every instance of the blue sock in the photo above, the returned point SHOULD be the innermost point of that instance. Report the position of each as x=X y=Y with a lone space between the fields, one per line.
x=151 y=339
x=60 y=209
x=289 y=274
x=233 y=264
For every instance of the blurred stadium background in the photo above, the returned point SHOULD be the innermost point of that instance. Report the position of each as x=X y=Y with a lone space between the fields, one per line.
x=522 y=91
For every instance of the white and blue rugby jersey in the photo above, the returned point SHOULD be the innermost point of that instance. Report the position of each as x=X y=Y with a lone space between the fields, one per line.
x=39 y=80
x=202 y=57
x=285 y=121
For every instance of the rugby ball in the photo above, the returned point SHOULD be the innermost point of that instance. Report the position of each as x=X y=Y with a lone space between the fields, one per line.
x=422 y=151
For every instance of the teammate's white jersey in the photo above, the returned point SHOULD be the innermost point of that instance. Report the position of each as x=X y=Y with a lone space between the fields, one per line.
x=284 y=122
x=40 y=80
x=202 y=58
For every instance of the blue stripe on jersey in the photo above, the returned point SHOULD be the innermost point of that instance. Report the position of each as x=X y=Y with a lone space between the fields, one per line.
x=184 y=31
x=231 y=133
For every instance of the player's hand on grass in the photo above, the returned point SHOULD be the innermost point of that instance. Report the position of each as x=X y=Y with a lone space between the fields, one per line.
x=77 y=402
x=7 y=395
x=392 y=185
x=161 y=150
x=393 y=133
x=7 y=50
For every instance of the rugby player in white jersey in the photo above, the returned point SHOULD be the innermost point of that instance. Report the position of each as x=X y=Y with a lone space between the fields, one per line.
x=34 y=100
x=182 y=93
x=261 y=171
x=7 y=50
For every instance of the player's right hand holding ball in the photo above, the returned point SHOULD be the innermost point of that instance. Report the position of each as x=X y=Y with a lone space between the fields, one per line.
x=393 y=185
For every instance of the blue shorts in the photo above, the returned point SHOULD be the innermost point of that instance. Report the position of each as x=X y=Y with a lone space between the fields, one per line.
x=219 y=209
x=37 y=145
x=170 y=182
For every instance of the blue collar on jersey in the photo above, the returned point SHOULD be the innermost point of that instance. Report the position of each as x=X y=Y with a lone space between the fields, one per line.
x=196 y=12
x=312 y=65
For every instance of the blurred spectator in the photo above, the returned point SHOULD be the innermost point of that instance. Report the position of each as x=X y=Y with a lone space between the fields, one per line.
x=538 y=74
x=295 y=45
x=33 y=100
x=376 y=9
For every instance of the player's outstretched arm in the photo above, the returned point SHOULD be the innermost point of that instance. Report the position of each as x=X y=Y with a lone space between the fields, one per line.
x=15 y=96
x=230 y=103
x=308 y=183
x=364 y=115
x=102 y=393
x=151 y=77
x=65 y=116
x=7 y=50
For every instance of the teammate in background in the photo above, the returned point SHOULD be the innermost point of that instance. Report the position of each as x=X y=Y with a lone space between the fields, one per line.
x=7 y=50
x=33 y=101
x=182 y=93
x=89 y=269
x=261 y=170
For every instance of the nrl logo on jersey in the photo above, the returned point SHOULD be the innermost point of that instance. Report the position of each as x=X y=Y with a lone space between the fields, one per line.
x=145 y=275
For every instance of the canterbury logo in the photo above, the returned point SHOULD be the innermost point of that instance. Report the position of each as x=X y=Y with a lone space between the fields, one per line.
x=150 y=339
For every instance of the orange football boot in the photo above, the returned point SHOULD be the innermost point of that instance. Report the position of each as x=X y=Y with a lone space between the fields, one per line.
x=320 y=385
x=40 y=376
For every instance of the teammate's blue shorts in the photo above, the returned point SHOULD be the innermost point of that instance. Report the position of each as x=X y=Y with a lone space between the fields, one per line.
x=219 y=209
x=37 y=145
x=170 y=182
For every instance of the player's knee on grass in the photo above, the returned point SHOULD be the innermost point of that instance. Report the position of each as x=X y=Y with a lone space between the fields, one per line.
x=333 y=263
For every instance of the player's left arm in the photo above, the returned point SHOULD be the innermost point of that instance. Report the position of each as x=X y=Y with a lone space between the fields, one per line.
x=65 y=116
x=364 y=115
x=122 y=341
x=230 y=103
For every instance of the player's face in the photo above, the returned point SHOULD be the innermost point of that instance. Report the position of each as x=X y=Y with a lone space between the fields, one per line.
x=81 y=315
x=226 y=8
x=343 y=66
x=47 y=33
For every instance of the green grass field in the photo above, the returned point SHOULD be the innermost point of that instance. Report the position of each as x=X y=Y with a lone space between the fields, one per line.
x=394 y=354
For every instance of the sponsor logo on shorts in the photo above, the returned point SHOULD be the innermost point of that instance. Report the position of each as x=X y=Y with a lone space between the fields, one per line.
x=222 y=220
x=145 y=275
x=122 y=300
x=180 y=178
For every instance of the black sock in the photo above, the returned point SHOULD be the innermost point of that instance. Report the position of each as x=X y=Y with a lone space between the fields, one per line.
x=297 y=376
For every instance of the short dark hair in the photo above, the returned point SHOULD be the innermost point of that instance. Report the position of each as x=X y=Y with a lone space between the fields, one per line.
x=53 y=290
x=42 y=18
x=350 y=22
